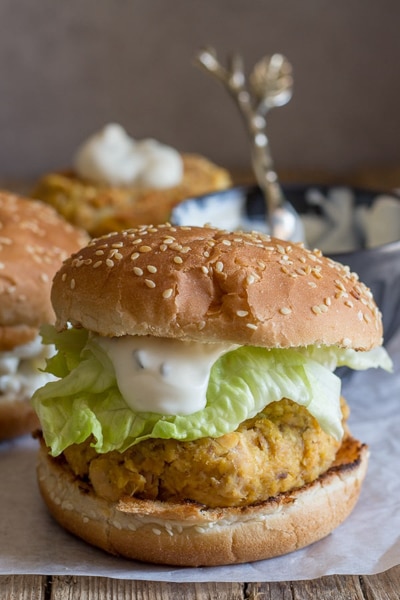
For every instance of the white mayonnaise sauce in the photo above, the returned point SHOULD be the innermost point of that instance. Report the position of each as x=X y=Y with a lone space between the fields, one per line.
x=20 y=369
x=112 y=157
x=160 y=375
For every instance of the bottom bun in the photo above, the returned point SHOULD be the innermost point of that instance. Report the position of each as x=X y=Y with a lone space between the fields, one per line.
x=189 y=534
x=17 y=417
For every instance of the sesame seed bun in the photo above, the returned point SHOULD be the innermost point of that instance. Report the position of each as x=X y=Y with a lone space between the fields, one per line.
x=34 y=240
x=188 y=534
x=208 y=285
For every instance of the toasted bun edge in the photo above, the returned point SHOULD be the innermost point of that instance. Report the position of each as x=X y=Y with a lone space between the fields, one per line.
x=190 y=535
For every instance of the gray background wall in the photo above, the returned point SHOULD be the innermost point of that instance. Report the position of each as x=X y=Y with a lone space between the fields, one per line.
x=69 y=67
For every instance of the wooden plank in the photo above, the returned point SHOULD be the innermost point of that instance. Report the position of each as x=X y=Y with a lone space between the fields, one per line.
x=384 y=586
x=328 y=588
x=280 y=590
x=23 y=587
x=102 y=588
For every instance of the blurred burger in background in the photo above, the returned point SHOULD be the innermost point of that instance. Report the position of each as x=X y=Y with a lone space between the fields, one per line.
x=34 y=240
x=118 y=182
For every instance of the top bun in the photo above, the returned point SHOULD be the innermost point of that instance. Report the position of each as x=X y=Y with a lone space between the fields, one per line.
x=34 y=240
x=195 y=283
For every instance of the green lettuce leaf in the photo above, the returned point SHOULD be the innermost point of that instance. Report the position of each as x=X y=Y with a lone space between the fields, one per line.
x=86 y=401
x=333 y=357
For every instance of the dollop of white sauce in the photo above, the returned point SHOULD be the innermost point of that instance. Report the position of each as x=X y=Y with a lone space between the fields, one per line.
x=160 y=375
x=112 y=157
x=20 y=373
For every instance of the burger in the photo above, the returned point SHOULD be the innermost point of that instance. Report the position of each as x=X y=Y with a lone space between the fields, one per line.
x=117 y=182
x=34 y=240
x=196 y=418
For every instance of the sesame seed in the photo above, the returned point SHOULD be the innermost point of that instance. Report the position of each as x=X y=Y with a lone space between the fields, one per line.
x=109 y=262
x=316 y=273
x=44 y=277
x=138 y=271
x=251 y=326
x=250 y=279
x=138 y=241
x=151 y=269
x=349 y=303
x=72 y=284
x=97 y=264
x=219 y=266
x=178 y=260
x=99 y=252
x=227 y=242
x=163 y=247
x=340 y=285
x=63 y=277
x=144 y=249
x=135 y=255
x=167 y=293
x=327 y=301
x=285 y=310
x=204 y=269
x=316 y=310
x=242 y=313
x=150 y=283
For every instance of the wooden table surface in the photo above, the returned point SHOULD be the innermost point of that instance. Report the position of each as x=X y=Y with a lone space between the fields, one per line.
x=384 y=586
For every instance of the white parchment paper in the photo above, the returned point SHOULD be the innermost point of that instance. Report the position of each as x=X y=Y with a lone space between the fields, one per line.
x=367 y=543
